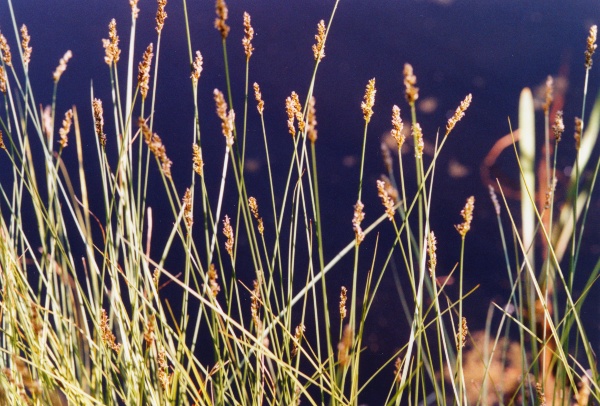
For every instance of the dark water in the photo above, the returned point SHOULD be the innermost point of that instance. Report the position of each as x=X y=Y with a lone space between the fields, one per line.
x=491 y=49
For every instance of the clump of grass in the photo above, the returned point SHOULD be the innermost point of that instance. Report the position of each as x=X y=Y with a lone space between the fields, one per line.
x=88 y=305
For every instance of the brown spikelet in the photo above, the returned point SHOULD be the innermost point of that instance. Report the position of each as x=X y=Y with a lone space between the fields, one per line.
x=144 y=71
x=227 y=118
x=319 y=47
x=559 y=127
x=3 y=80
x=293 y=109
x=359 y=216
x=387 y=201
x=467 y=215
x=540 y=394
x=369 y=100
x=164 y=377
x=99 y=121
x=431 y=249
x=253 y=204
x=161 y=15
x=298 y=334
x=134 y=9
x=6 y=55
x=345 y=345
x=111 y=45
x=2 y=146
x=258 y=96
x=222 y=15
x=591 y=46
x=343 y=299
x=417 y=134
x=187 y=209
x=461 y=335
x=248 y=36
x=578 y=131
x=458 y=114
x=311 y=128
x=149 y=334
x=397 y=127
x=213 y=285
x=62 y=65
x=156 y=146
x=550 y=194
x=25 y=38
x=197 y=68
x=549 y=94
x=228 y=233
x=398 y=370
x=255 y=304
x=197 y=160
x=107 y=336
x=410 y=82
x=66 y=127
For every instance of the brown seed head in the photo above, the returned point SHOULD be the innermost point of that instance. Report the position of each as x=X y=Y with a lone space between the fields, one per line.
x=149 y=334
x=62 y=65
x=197 y=68
x=343 y=299
x=410 y=82
x=431 y=249
x=591 y=46
x=559 y=127
x=298 y=334
x=161 y=15
x=359 y=216
x=387 y=201
x=222 y=15
x=6 y=55
x=156 y=146
x=311 y=128
x=3 y=80
x=134 y=9
x=2 y=146
x=107 y=336
x=578 y=132
x=549 y=94
x=99 y=121
x=66 y=127
x=197 y=160
x=111 y=45
x=144 y=71
x=258 y=96
x=369 y=100
x=227 y=118
x=187 y=209
x=458 y=114
x=213 y=285
x=467 y=215
x=255 y=305
x=228 y=233
x=319 y=47
x=164 y=377
x=397 y=127
x=248 y=35
x=417 y=134
x=550 y=194
x=25 y=38
x=293 y=109
x=461 y=335
x=253 y=204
